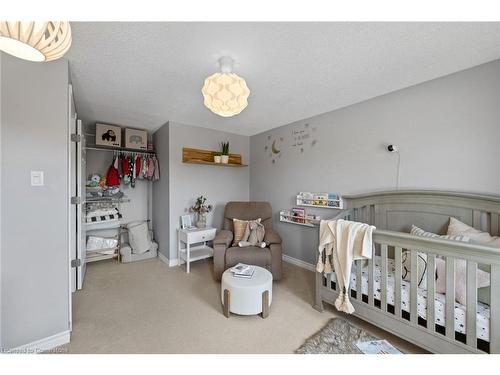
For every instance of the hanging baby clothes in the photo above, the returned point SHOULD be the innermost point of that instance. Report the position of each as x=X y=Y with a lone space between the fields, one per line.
x=119 y=165
x=156 y=175
x=131 y=170
x=151 y=168
x=125 y=169
x=112 y=177
x=144 y=167
x=137 y=165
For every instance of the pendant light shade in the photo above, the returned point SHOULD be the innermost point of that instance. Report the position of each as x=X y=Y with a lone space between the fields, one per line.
x=226 y=93
x=35 y=41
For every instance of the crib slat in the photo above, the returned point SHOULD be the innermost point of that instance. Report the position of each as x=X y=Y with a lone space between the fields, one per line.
x=359 y=291
x=383 y=278
x=431 y=288
x=371 y=272
x=450 y=298
x=471 y=303
x=495 y=309
x=329 y=281
x=364 y=213
x=494 y=224
x=413 y=286
x=397 y=281
x=476 y=219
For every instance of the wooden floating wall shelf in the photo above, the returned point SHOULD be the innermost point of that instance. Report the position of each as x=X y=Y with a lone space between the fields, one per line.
x=206 y=157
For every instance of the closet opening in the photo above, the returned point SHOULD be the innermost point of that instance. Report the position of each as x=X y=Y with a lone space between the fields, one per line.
x=113 y=169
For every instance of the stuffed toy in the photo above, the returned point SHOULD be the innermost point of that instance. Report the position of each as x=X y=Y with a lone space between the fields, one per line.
x=254 y=235
x=94 y=181
x=102 y=182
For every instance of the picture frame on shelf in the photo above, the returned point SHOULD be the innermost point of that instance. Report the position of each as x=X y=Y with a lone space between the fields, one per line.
x=186 y=222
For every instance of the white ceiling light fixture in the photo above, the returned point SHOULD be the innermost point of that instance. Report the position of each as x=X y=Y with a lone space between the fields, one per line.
x=226 y=93
x=35 y=41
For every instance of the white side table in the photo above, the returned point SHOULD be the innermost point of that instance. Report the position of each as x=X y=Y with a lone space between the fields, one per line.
x=193 y=253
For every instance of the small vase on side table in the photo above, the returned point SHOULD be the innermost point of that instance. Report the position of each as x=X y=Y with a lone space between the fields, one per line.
x=202 y=220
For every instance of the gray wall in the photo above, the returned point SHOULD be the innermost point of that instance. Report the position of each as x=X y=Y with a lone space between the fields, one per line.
x=448 y=131
x=188 y=181
x=161 y=191
x=34 y=238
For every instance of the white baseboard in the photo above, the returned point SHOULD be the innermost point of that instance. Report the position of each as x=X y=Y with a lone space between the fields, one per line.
x=168 y=262
x=299 y=263
x=286 y=258
x=44 y=344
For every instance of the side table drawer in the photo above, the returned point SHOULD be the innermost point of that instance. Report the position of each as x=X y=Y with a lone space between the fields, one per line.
x=201 y=236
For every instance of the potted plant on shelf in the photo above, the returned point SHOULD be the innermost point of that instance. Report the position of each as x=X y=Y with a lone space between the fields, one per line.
x=225 y=152
x=202 y=210
x=217 y=156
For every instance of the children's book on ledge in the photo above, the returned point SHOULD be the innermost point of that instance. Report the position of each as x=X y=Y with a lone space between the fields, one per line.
x=319 y=200
x=243 y=271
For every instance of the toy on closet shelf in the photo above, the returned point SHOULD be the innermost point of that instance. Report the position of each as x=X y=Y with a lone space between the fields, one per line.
x=102 y=182
x=93 y=181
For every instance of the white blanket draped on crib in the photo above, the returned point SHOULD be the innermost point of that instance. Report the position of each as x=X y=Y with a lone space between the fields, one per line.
x=343 y=241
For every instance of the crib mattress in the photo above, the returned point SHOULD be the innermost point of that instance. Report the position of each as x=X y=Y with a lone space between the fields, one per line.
x=483 y=310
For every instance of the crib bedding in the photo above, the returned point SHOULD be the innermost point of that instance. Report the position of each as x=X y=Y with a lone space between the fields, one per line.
x=483 y=310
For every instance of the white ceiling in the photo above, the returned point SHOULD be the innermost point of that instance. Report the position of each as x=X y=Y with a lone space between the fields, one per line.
x=144 y=74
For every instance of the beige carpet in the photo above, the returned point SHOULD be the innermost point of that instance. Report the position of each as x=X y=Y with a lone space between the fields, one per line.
x=147 y=307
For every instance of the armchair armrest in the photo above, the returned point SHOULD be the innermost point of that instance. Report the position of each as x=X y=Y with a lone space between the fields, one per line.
x=224 y=237
x=272 y=237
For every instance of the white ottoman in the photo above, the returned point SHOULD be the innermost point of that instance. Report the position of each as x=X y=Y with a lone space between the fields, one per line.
x=247 y=296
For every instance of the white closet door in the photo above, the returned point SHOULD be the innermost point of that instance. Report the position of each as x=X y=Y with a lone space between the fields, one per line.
x=72 y=187
x=80 y=214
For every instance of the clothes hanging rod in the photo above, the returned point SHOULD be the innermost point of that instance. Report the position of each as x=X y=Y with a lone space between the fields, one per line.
x=121 y=149
x=92 y=200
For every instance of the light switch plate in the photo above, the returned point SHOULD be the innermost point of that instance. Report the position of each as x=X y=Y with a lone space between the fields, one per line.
x=36 y=178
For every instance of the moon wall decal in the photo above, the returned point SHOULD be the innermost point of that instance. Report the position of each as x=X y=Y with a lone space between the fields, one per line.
x=273 y=147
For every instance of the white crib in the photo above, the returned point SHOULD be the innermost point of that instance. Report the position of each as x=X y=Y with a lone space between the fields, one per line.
x=393 y=213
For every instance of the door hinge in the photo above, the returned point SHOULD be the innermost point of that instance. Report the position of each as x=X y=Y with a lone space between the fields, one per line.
x=76 y=200
x=76 y=263
x=76 y=138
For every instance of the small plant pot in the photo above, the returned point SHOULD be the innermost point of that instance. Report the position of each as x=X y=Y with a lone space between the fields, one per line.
x=225 y=159
x=217 y=159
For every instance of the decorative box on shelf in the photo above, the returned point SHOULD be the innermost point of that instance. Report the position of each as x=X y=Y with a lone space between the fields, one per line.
x=136 y=139
x=298 y=216
x=319 y=200
x=108 y=135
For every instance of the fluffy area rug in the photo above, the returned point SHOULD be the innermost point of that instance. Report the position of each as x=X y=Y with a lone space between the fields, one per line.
x=337 y=337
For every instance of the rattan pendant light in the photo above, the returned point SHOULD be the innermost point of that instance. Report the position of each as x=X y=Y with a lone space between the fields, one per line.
x=226 y=93
x=35 y=41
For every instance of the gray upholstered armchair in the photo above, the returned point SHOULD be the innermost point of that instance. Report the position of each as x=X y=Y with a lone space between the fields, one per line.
x=226 y=255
